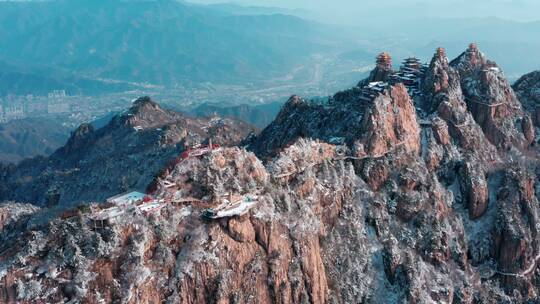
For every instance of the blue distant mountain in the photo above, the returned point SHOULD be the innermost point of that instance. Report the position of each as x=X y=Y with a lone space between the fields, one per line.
x=159 y=42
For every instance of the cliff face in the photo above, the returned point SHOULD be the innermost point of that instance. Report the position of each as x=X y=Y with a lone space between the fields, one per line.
x=490 y=98
x=386 y=200
x=527 y=89
x=375 y=128
x=273 y=254
x=123 y=155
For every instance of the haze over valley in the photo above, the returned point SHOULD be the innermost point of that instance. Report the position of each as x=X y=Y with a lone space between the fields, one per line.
x=184 y=54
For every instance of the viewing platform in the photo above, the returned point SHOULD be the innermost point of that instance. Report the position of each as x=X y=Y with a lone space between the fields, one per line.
x=232 y=207
x=125 y=204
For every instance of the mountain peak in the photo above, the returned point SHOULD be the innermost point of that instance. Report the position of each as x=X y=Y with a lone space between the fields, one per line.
x=527 y=89
x=78 y=139
x=470 y=60
x=438 y=81
x=146 y=113
x=440 y=54
x=491 y=100
x=144 y=102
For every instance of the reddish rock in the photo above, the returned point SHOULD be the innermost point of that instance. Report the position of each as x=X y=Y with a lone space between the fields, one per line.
x=476 y=189
x=528 y=129
x=391 y=123
x=376 y=173
x=516 y=231
x=241 y=229
x=437 y=80
x=489 y=97
x=440 y=131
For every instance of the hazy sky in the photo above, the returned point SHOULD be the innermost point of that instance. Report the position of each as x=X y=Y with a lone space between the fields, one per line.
x=351 y=11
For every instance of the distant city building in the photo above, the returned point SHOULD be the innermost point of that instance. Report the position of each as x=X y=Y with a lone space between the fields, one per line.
x=57 y=94
x=15 y=111
x=36 y=107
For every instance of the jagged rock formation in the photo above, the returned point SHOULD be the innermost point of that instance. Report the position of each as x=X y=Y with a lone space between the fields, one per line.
x=527 y=89
x=389 y=200
x=375 y=128
x=490 y=98
x=123 y=155
x=437 y=84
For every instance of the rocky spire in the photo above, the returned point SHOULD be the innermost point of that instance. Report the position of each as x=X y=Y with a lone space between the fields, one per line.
x=470 y=60
x=439 y=58
x=473 y=53
x=437 y=81
x=527 y=89
x=473 y=47
x=145 y=113
x=440 y=53
x=78 y=140
x=490 y=98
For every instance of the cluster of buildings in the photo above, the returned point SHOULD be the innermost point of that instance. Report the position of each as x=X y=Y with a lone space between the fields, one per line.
x=410 y=74
x=72 y=110
x=21 y=106
x=122 y=204
x=10 y=112
x=139 y=203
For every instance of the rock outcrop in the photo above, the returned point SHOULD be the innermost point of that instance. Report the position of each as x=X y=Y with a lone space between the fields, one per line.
x=475 y=189
x=440 y=82
x=390 y=122
x=527 y=89
x=373 y=128
x=490 y=97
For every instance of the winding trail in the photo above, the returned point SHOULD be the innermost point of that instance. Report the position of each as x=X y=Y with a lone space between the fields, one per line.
x=525 y=272
x=491 y=105
x=298 y=171
x=394 y=148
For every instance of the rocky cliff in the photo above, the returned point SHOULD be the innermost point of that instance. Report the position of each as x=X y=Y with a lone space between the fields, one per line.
x=490 y=99
x=376 y=196
x=527 y=89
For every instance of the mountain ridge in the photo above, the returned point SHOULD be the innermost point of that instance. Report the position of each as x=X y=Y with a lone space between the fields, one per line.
x=190 y=46
x=145 y=134
x=420 y=187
